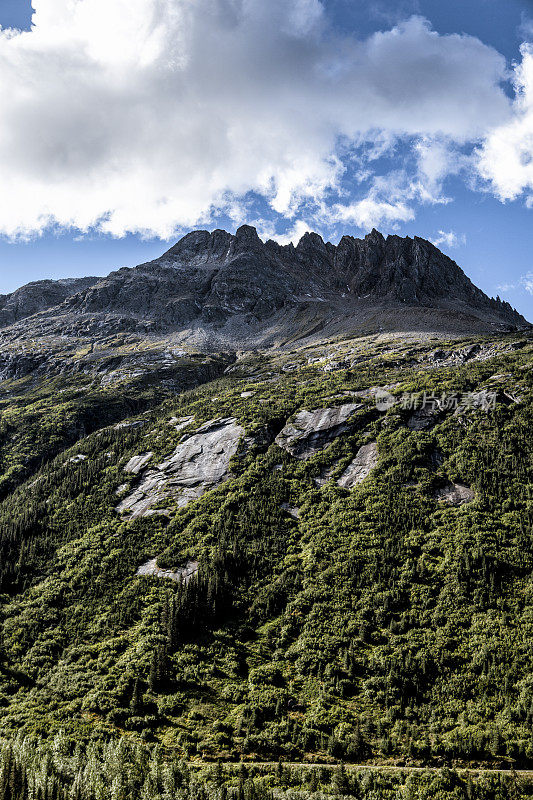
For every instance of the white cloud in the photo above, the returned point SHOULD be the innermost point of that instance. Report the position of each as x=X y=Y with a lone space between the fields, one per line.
x=527 y=282
x=389 y=200
x=449 y=239
x=506 y=157
x=438 y=159
x=293 y=234
x=152 y=115
x=372 y=213
x=524 y=282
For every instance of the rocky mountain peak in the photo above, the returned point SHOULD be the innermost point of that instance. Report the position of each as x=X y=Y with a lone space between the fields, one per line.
x=199 y=246
x=247 y=235
x=234 y=290
x=376 y=236
x=311 y=241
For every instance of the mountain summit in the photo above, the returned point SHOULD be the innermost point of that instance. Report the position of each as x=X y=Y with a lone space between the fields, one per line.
x=219 y=289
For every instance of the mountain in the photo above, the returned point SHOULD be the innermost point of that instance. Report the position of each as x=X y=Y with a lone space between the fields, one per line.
x=217 y=290
x=38 y=296
x=257 y=576
x=265 y=529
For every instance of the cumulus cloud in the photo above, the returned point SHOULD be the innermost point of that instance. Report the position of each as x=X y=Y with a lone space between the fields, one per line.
x=506 y=158
x=390 y=199
x=155 y=115
x=371 y=212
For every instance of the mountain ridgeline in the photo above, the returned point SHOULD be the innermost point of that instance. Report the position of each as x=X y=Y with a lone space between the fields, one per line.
x=222 y=290
x=38 y=296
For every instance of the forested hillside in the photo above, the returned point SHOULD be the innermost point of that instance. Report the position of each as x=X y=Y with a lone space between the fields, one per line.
x=322 y=557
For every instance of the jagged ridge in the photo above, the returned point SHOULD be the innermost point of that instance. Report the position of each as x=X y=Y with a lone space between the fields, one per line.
x=232 y=287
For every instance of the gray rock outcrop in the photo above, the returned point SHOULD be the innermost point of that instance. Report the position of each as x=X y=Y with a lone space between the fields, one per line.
x=198 y=463
x=311 y=431
x=361 y=467
x=136 y=464
x=292 y=511
x=455 y=494
x=179 y=423
x=185 y=574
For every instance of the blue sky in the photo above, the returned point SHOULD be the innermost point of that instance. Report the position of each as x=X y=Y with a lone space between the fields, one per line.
x=452 y=163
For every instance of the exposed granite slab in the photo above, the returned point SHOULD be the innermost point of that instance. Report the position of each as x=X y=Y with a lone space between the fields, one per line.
x=197 y=464
x=185 y=574
x=363 y=463
x=137 y=463
x=311 y=431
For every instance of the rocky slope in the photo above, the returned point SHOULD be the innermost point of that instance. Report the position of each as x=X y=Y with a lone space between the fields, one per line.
x=221 y=291
x=39 y=296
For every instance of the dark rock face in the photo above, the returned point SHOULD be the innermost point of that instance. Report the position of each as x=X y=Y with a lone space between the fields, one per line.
x=39 y=296
x=233 y=288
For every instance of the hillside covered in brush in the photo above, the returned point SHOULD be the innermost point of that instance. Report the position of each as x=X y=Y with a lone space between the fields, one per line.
x=317 y=555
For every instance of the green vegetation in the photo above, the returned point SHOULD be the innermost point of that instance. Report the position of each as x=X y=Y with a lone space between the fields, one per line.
x=125 y=770
x=39 y=418
x=381 y=626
